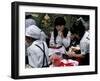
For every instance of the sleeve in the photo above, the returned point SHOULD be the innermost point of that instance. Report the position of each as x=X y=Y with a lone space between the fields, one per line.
x=33 y=57
x=66 y=41
x=84 y=46
x=52 y=39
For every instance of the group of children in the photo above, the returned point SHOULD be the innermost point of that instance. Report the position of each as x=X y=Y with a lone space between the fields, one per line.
x=66 y=47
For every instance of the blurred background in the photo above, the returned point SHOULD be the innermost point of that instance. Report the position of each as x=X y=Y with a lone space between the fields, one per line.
x=45 y=21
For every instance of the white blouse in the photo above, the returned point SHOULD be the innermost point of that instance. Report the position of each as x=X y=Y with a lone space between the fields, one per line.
x=60 y=41
x=84 y=43
x=35 y=55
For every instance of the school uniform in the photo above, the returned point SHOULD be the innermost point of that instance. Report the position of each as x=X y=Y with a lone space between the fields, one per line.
x=38 y=51
x=84 y=43
x=38 y=54
x=85 y=48
x=60 y=44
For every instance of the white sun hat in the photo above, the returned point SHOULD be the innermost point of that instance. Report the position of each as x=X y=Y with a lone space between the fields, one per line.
x=29 y=22
x=33 y=31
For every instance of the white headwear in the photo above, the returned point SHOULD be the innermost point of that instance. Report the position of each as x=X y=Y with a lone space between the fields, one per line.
x=43 y=36
x=29 y=22
x=33 y=31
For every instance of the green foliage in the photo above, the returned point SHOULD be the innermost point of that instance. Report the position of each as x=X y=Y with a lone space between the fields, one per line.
x=46 y=21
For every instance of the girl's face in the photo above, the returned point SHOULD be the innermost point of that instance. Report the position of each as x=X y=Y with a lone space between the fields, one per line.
x=28 y=41
x=60 y=27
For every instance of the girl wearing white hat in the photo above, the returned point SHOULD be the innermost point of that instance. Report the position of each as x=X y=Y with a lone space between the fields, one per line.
x=37 y=49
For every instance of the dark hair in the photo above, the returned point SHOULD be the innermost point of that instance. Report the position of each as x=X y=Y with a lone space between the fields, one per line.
x=30 y=38
x=78 y=28
x=59 y=21
x=28 y=17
